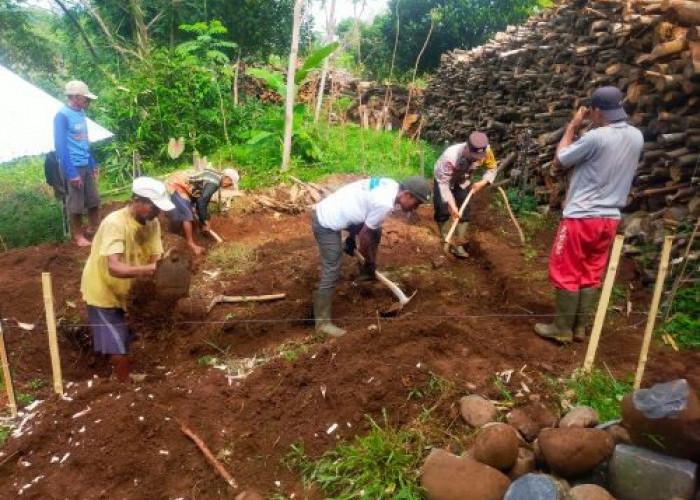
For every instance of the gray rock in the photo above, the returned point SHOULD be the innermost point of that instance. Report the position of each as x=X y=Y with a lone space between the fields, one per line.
x=536 y=487
x=579 y=417
x=590 y=492
x=641 y=474
x=477 y=411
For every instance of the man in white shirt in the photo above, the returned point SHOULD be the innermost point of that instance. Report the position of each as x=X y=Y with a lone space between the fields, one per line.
x=359 y=207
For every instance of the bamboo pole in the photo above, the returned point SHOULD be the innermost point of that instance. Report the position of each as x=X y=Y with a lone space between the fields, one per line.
x=603 y=303
x=651 y=320
x=51 y=326
x=11 y=401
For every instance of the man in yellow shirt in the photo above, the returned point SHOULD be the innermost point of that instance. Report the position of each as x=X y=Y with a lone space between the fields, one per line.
x=126 y=246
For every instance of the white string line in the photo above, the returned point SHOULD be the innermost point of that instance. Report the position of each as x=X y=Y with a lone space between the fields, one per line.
x=370 y=319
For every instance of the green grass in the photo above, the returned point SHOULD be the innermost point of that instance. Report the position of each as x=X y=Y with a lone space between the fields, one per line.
x=383 y=464
x=232 y=258
x=599 y=390
x=4 y=434
x=684 y=323
x=344 y=149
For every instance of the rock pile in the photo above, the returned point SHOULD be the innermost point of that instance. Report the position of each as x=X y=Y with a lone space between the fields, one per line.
x=537 y=456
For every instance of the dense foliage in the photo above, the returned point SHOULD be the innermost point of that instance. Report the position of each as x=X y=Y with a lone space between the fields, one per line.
x=462 y=24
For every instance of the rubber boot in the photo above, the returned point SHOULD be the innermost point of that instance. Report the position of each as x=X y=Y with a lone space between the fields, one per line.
x=322 y=314
x=444 y=228
x=566 y=305
x=588 y=297
x=461 y=233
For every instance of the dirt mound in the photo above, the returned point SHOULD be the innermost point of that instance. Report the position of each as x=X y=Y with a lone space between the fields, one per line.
x=467 y=321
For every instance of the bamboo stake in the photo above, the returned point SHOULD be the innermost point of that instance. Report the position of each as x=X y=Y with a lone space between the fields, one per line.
x=651 y=320
x=512 y=216
x=12 y=403
x=214 y=235
x=51 y=326
x=209 y=456
x=603 y=303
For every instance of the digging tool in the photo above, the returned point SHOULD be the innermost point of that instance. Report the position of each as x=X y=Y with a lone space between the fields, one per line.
x=510 y=213
x=232 y=299
x=218 y=238
x=172 y=276
x=398 y=293
x=446 y=246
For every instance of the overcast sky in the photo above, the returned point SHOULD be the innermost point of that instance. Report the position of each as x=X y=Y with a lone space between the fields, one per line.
x=344 y=9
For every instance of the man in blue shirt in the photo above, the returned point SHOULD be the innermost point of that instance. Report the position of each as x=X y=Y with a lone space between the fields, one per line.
x=78 y=167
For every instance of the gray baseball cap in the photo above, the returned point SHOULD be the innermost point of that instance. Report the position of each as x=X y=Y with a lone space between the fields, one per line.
x=418 y=187
x=609 y=101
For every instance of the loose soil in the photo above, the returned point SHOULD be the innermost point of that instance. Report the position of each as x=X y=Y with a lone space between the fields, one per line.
x=469 y=320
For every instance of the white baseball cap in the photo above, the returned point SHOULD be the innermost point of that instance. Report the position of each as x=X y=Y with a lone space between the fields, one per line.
x=154 y=190
x=232 y=174
x=76 y=87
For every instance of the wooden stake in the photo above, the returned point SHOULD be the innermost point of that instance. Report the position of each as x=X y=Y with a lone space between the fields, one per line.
x=603 y=304
x=233 y=299
x=218 y=238
x=651 y=320
x=51 y=326
x=12 y=403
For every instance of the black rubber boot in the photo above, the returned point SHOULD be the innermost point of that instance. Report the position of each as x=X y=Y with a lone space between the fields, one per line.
x=566 y=305
x=588 y=298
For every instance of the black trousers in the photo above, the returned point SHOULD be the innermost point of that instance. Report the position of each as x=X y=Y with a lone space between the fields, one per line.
x=442 y=212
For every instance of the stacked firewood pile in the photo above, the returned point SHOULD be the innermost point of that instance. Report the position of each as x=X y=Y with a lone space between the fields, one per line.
x=523 y=86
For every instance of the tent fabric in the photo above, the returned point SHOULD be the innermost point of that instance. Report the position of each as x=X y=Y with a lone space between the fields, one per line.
x=26 y=119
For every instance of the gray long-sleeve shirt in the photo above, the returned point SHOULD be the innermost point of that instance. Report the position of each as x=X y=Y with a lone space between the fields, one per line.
x=446 y=165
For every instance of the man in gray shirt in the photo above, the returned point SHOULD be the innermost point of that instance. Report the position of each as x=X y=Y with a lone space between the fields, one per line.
x=604 y=162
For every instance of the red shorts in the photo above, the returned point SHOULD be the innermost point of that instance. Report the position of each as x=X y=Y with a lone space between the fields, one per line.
x=580 y=252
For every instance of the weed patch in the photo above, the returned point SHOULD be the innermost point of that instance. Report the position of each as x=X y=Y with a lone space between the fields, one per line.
x=4 y=434
x=684 y=323
x=29 y=216
x=383 y=464
x=598 y=389
x=233 y=259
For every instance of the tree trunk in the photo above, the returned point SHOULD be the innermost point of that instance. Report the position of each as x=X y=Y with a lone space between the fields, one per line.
x=330 y=34
x=236 y=73
x=289 y=104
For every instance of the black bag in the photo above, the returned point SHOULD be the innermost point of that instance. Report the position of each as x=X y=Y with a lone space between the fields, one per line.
x=52 y=174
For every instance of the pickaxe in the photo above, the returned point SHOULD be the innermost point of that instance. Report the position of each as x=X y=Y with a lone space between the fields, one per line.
x=446 y=246
x=403 y=299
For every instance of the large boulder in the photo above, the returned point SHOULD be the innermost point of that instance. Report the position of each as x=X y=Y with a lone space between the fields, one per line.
x=640 y=474
x=497 y=446
x=580 y=417
x=571 y=452
x=524 y=464
x=665 y=418
x=590 y=492
x=477 y=411
x=445 y=476
x=531 y=419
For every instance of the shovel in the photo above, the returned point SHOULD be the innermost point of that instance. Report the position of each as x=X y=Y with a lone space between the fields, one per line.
x=172 y=276
x=395 y=308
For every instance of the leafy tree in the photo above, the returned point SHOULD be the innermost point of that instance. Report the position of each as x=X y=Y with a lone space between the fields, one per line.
x=463 y=24
x=22 y=47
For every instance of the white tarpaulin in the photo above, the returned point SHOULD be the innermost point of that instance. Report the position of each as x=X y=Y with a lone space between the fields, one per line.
x=26 y=119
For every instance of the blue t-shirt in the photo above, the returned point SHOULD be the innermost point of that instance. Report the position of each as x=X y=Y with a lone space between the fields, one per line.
x=71 y=141
x=605 y=161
